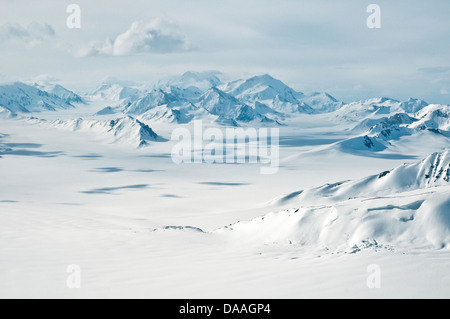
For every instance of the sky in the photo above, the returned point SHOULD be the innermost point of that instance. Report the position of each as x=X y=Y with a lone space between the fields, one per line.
x=322 y=45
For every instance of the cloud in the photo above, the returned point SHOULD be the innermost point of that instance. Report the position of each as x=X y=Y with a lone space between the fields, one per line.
x=34 y=34
x=157 y=36
x=434 y=70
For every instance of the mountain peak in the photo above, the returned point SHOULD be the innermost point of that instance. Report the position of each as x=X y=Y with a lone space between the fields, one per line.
x=203 y=80
x=413 y=105
x=263 y=77
x=23 y=98
x=268 y=80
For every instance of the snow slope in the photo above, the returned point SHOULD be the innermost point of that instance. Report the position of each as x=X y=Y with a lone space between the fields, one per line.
x=61 y=92
x=148 y=101
x=125 y=130
x=173 y=113
x=406 y=207
x=377 y=108
x=22 y=98
x=269 y=91
x=322 y=102
x=116 y=90
x=225 y=106
x=436 y=117
x=73 y=191
x=379 y=133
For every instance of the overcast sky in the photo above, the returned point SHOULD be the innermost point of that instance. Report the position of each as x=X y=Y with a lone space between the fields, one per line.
x=310 y=45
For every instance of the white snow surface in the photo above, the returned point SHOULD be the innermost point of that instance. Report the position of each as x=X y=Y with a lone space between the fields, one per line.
x=93 y=184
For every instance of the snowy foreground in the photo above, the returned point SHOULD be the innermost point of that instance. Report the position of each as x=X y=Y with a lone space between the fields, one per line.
x=88 y=180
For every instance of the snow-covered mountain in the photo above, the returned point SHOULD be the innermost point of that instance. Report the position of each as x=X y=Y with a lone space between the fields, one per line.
x=176 y=105
x=367 y=109
x=322 y=102
x=226 y=106
x=173 y=105
x=406 y=206
x=22 y=98
x=61 y=92
x=372 y=124
x=148 y=101
x=378 y=124
x=379 y=132
x=435 y=117
x=112 y=89
x=191 y=94
x=124 y=130
x=190 y=79
x=430 y=172
x=413 y=105
x=377 y=108
x=262 y=87
x=269 y=91
x=180 y=113
x=257 y=99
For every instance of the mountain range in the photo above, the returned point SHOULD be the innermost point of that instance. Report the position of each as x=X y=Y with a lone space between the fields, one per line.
x=257 y=101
